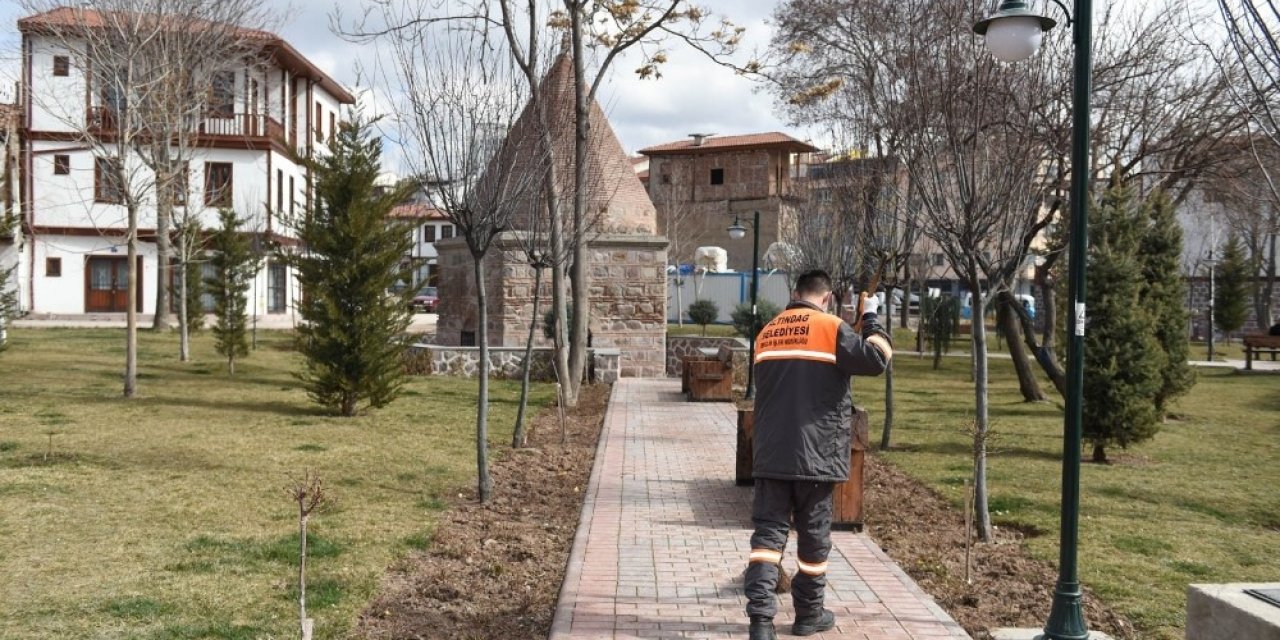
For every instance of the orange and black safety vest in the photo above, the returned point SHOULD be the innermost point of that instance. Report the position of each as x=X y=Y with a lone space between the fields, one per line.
x=804 y=359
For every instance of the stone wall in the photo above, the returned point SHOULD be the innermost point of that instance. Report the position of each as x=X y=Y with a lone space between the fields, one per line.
x=1199 y=305
x=629 y=301
x=505 y=362
x=681 y=346
x=627 y=293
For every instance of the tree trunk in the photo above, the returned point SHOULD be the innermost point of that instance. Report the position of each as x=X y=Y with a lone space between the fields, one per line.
x=1045 y=355
x=518 y=438
x=578 y=274
x=184 y=330
x=888 y=407
x=131 y=314
x=1100 y=454
x=163 y=319
x=482 y=402
x=982 y=516
x=305 y=624
x=1027 y=383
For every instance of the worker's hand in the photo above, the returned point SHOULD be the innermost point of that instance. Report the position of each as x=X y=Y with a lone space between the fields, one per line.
x=870 y=303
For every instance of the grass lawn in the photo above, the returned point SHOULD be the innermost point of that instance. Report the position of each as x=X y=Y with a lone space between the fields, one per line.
x=1196 y=504
x=165 y=517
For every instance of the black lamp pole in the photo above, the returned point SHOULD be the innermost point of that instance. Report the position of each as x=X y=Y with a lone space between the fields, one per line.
x=1066 y=617
x=737 y=231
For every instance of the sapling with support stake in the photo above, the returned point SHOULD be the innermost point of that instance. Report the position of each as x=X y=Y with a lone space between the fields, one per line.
x=308 y=491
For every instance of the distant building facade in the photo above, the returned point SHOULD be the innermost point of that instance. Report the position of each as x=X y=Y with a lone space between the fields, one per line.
x=699 y=185
x=71 y=256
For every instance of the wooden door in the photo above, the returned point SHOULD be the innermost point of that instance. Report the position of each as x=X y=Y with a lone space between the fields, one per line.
x=106 y=288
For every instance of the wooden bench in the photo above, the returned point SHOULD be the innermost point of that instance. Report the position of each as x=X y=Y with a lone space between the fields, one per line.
x=1256 y=344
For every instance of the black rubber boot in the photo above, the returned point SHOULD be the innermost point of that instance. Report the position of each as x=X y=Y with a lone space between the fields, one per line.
x=762 y=629
x=811 y=623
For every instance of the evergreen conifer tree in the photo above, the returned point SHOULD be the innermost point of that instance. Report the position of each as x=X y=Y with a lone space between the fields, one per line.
x=1165 y=297
x=1231 y=295
x=1121 y=355
x=233 y=266
x=351 y=334
x=196 y=289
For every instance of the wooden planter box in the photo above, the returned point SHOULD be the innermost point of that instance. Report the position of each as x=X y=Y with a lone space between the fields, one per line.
x=709 y=380
x=848 y=495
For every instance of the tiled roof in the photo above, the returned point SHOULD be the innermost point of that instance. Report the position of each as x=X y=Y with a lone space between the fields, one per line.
x=417 y=211
x=286 y=55
x=773 y=139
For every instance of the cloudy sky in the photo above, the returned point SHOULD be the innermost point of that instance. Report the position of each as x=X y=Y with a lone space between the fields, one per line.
x=694 y=95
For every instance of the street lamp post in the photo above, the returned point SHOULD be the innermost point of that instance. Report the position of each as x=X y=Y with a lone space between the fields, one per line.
x=737 y=232
x=1014 y=33
x=1211 y=262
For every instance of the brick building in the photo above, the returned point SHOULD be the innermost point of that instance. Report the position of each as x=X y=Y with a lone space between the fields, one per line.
x=627 y=256
x=698 y=184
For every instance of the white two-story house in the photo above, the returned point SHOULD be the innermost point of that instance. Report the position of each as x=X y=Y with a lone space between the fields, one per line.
x=279 y=107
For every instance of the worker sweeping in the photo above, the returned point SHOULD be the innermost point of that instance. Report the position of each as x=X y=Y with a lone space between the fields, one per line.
x=804 y=359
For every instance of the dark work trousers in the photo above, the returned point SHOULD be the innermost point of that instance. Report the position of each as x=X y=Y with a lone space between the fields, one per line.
x=777 y=504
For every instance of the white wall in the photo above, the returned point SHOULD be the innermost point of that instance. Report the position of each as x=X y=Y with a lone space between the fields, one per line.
x=727 y=290
x=57 y=103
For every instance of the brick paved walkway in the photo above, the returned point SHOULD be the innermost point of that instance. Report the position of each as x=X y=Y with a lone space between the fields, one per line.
x=664 y=538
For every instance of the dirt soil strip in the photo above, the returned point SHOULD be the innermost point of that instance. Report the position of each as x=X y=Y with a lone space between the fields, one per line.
x=494 y=571
x=925 y=535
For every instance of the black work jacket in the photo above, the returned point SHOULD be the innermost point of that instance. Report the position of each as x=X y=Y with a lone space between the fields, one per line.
x=804 y=359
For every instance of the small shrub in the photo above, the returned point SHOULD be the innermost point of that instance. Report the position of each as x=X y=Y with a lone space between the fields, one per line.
x=765 y=311
x=703 y=312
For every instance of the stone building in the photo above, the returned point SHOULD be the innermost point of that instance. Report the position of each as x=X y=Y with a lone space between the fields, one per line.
x=699 y=184
x=627 y=256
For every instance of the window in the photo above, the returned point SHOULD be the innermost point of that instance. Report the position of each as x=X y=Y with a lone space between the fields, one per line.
x=61 y=66
x=293 y=196
x=717 y=176
x=333 y=127
x=429 y=233
x=53 y=267
x=107 y=187
x=222 y=96
x=277 y=287
x=319 y=123
x=446 y=231
x=939 y=260
x=217 y=184
x=61 y=164
x=666 y=178
x=279 y=190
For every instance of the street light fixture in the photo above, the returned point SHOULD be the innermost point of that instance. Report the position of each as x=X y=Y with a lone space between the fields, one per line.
x=738 y=232
x=1013 y=33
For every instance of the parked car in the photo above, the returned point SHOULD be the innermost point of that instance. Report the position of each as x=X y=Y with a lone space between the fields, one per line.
x=425 y=301
x=966 y=310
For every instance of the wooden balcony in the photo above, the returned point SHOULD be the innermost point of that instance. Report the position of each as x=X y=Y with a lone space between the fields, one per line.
x=237 y=126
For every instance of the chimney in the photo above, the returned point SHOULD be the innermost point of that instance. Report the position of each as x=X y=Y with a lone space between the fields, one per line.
x=699 y=138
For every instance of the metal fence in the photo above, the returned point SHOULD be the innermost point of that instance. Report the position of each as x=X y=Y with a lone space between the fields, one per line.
x=727 y=290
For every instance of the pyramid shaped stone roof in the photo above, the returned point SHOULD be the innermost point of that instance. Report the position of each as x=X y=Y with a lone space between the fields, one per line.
x=616 y=199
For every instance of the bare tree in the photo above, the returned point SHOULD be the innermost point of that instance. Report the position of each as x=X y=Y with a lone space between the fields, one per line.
x=457 y=95
x=1252 y=28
